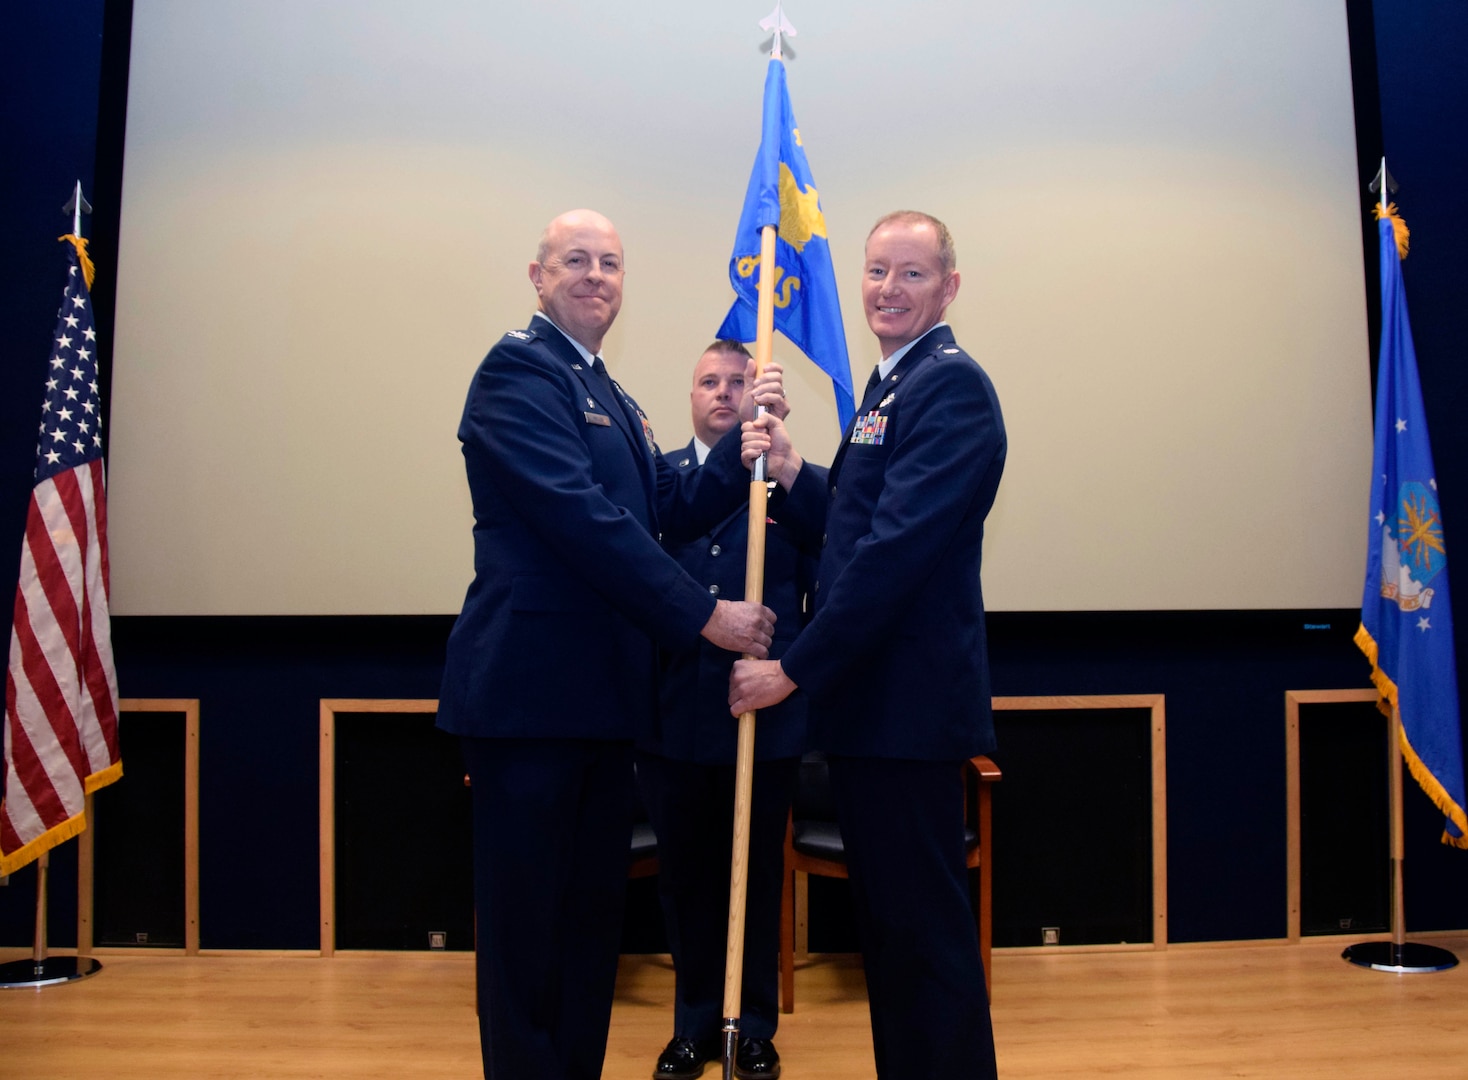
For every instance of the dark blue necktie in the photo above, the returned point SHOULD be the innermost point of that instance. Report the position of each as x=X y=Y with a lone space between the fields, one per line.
x=604 y=381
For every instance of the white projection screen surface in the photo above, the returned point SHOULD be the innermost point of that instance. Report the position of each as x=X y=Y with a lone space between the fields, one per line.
x=329 y=209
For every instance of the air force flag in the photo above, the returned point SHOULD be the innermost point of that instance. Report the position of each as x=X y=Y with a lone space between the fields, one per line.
x=1406 y=620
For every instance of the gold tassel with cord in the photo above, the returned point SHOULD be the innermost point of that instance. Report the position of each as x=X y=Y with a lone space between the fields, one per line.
x=1399 y=227
x=88 y=270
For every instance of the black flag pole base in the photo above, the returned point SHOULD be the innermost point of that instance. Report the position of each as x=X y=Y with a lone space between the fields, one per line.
x=731 y=1045
x=19 y=974
x=1408 y=958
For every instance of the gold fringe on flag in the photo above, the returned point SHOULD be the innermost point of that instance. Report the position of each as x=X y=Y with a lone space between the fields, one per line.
x=89 y=271
x=1399 y=227
x=1386 y=701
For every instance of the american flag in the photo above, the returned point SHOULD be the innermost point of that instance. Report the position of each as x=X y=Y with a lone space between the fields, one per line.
x=60 y=687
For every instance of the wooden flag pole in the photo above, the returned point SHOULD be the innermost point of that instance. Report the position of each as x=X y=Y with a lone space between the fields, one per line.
x=1398 y=829
x=1398 y=955
x=754 y=592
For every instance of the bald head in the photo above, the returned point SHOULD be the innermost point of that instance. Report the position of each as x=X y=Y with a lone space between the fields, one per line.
x=918 y=219
x=570 y=220
x=577 y=274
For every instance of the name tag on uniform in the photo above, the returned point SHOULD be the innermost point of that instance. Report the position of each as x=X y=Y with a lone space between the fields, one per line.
x=599 y=419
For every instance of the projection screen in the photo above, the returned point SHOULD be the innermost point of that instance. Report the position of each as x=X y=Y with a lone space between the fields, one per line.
x=329 y=209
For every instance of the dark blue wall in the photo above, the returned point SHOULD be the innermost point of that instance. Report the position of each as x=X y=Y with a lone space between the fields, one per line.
x=50 y=72
x=259 y=680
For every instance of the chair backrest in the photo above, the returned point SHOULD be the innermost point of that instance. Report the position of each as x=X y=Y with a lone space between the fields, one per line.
x=814 y=830
x=813 y=810
x=643 y=858
x=813 y=800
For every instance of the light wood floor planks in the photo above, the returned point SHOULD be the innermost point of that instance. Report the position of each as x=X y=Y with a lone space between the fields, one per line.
x=1273 y=1011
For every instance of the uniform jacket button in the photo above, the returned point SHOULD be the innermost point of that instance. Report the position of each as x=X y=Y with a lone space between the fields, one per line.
x=716 y=550
x=713 y=590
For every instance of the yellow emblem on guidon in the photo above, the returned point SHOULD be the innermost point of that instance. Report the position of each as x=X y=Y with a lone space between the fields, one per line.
x=800 y=219
x=800 y=211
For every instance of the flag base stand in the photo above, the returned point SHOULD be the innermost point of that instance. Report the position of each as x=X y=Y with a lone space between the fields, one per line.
x=1408 y=958
x=19 y=974
x=1398 y=955
x=40 y=969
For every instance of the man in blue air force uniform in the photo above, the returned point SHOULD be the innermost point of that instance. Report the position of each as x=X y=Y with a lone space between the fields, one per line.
x=894 y=661
x=551 y=667
x=686 y=771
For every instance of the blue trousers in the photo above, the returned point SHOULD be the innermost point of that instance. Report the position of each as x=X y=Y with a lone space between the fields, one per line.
x=902 y=827
x=552 y=828
x=691 y=807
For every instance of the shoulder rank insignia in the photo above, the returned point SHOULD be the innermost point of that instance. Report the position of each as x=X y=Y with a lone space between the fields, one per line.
x=950 y=352
x=518 y=334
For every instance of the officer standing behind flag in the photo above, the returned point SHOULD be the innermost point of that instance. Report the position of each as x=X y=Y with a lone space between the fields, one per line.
x=551 y=666
x=895 y=660
x=686 y=772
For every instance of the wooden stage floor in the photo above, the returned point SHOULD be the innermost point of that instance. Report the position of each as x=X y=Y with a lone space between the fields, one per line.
x=1275 y=1011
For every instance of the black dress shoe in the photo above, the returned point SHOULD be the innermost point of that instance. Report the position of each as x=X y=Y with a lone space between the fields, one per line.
x=756 y=1059
x=684 y=1058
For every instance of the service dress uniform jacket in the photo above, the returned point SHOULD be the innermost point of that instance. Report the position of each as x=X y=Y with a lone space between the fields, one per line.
x=693 y=718
x=571 y=588
x=896 y=663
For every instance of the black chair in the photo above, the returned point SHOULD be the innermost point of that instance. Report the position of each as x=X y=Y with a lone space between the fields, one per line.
x=813 y=846
x=643 y=862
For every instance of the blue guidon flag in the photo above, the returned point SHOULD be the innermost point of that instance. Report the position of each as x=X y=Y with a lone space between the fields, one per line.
x=1406 y=617
x=782 y=193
